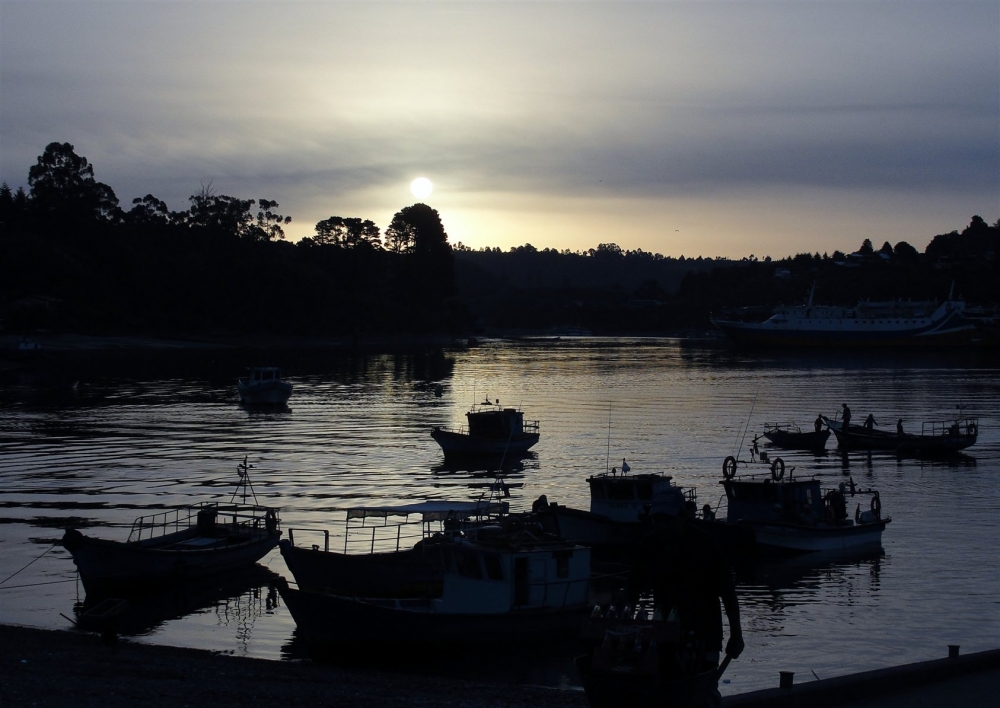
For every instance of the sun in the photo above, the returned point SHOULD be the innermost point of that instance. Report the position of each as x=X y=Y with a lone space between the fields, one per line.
x=421 y=187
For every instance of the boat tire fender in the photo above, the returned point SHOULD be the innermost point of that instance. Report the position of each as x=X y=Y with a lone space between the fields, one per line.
x=777 y=469
x=729 y=467
x=972 y=429
x=876 y=505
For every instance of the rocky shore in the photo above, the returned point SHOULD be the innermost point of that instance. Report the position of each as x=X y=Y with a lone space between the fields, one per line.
x=41 y=668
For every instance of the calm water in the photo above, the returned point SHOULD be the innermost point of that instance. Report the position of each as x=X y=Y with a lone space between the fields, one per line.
x=152 y=432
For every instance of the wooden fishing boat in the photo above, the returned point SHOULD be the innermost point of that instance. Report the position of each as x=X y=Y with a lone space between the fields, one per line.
x=386 y=551
x=935 y=437
x=178 y=545
x=510 y=584
x=618 y=503
x=790 y=515
x=791 y=437
x=492 y=430
x=263 y=386
x=636 y=660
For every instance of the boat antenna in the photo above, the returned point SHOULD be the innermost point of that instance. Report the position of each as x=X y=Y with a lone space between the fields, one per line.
x=747 y=426
x=607 y=460
x=244 y=469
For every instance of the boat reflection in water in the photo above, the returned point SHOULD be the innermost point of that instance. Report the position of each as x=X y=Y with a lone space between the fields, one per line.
x=238 y=598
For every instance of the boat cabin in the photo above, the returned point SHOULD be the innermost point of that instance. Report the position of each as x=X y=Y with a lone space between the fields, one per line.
x=262 y=374
x=799 y=501
x=623 y=497
x=494 y=575
x=499 y=423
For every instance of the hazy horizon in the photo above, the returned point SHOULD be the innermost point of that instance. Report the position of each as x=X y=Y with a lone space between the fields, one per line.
x=682 y=128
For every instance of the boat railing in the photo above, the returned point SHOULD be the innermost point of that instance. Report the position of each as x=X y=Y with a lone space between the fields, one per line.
x=961 y=426
x=789 y=427
x=551 y=587
x=232 y=517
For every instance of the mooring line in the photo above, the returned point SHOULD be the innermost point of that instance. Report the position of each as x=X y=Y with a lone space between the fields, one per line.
x=43 y=553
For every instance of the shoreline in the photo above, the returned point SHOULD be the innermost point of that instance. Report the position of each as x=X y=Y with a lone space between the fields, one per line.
x=40 y=667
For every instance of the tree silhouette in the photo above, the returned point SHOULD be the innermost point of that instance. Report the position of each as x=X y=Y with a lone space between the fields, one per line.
x=64 y=191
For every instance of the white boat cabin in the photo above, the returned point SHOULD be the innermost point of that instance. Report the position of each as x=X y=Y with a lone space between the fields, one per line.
x=488 y=578
x=624 y=497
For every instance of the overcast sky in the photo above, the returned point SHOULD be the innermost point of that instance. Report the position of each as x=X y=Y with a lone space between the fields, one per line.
x=682 y=128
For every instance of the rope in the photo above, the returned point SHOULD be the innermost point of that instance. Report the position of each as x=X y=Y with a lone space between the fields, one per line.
x=33 y=585
x=43 y=553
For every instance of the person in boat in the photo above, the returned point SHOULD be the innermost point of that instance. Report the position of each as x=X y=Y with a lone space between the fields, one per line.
x=899 y=427
x=870 y=422
x=846 y=418
x=818 y=423
x=707 y=514
x=754 y=449
x=689 y=576
x=540 y=504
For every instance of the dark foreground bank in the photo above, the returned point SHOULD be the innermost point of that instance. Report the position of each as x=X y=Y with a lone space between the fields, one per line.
x=53 y=668
x=57 y=668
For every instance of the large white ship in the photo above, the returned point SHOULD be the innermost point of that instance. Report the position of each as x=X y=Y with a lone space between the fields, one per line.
x=885 y=323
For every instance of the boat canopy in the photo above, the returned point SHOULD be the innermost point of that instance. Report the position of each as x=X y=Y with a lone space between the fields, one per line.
x=429 y=510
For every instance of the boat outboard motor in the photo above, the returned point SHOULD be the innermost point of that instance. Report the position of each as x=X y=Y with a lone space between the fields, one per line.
x=206 y=521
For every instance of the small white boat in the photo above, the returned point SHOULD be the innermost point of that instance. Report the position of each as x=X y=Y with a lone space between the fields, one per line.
x=492 y=430
x=177 y=546
x=790 y=515
x=263 y=386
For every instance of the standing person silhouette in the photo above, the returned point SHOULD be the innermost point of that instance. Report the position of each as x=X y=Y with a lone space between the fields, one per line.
x=689 y=576
x=870 y=422
x=846 y=418
x=818 y=423
x=899 y=427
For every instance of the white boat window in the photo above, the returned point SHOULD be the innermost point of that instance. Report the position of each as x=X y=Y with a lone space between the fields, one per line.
x=494 y=570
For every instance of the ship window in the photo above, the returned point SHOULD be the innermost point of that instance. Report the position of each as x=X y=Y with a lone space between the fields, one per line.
x=644 y=490
x=494 y=571
x=620 y=491
x=467 y=564
x=562 y=563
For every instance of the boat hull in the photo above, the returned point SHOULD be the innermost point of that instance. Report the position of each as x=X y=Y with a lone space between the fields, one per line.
x=403 y=574
x=797 y=441
x=108 y=567
x=463 y=444
x=771 y=538
x=268 y=393
x=330 y=622
x=859 y=438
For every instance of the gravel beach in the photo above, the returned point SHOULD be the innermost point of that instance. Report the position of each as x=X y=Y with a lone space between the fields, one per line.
x=59 y=668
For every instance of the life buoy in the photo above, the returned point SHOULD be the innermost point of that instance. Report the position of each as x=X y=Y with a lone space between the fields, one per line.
x=972 y=429
x=777 y=469
x=876 y=504
x=729 y=467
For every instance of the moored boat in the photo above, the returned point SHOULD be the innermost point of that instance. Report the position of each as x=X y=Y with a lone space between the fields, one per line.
x=618 y=502
x=510 y=584
x=635 y=659
x=935 y=437
x=492 y=430
x=263 y=386
x=176 y=546
x=387 y=551
x=791 y=437
x=795 y=515
x=886 y=323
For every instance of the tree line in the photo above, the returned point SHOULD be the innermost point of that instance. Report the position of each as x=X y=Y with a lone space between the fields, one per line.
x=74 y=259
